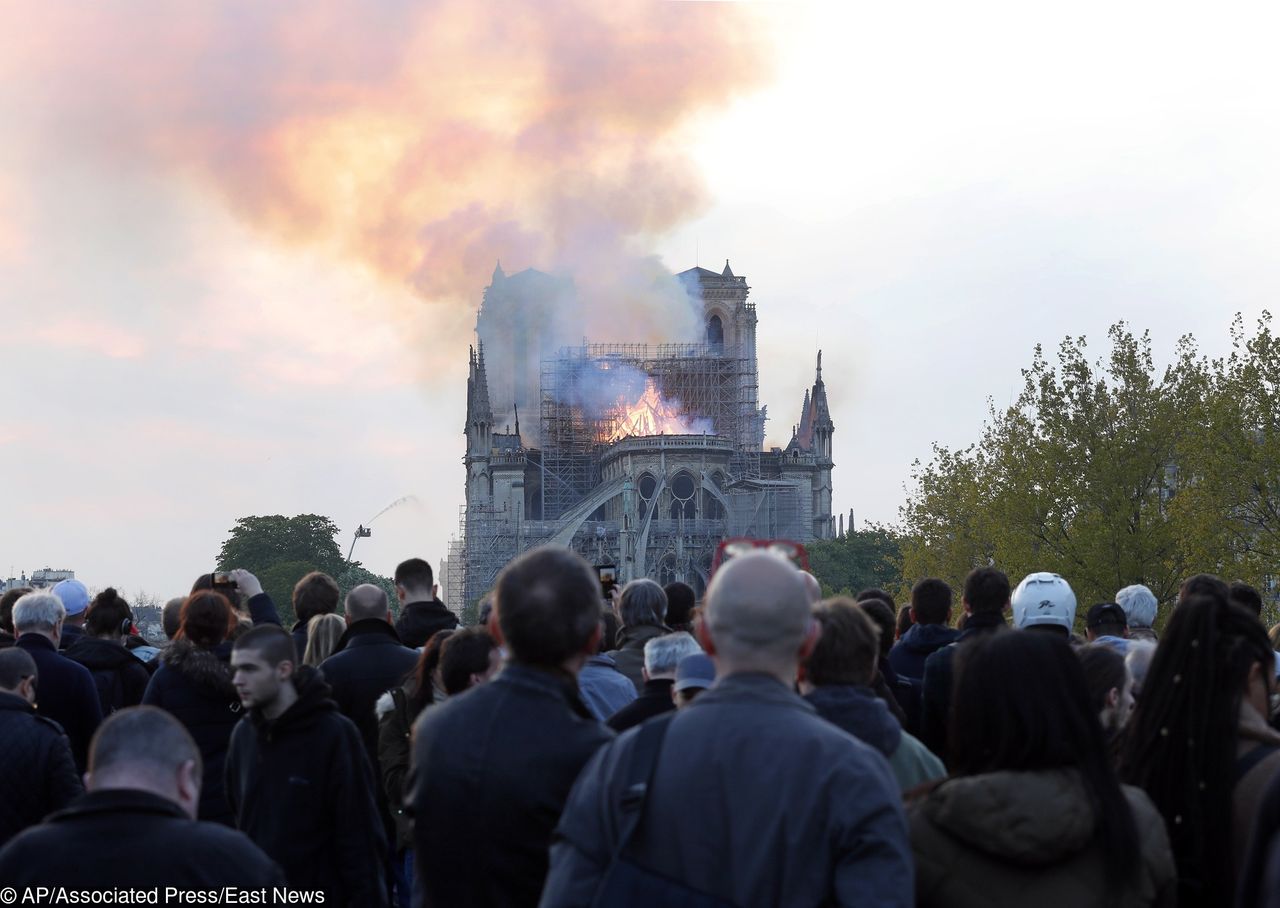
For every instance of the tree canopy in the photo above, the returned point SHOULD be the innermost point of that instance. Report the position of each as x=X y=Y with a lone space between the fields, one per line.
x=1113 y=472
x=856 y=561
x=281 y=550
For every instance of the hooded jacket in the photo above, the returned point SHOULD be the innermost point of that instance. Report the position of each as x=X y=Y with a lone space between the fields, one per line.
x=862 y=714
x=37 y=774
x=120 y=676
x=194 y=684
x=1028 y=838
x=301 y=787
x=419 y=621
x=917 y=644
x=122 y=838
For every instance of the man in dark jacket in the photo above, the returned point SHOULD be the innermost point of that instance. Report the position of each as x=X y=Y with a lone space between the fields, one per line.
x=136 y=827
x=369 y=660
x=315 y=594
x=421 y=612
x=65 y=692
x=298 y=779
x=641 y=610
x=986 y=596
x=930 y=610
x=661 y=656
x=755 y=800
x=492 y=768
x=37 y=773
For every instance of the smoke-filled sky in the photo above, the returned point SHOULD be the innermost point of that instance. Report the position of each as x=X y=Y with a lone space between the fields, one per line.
x=241 y=245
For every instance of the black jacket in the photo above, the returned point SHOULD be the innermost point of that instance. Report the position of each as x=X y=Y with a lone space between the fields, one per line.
x=37 y=773
x=419 y=621
x=129 y=839
x=71 y=634
x=299 y=635
x=654 y=700
x=301 y=787
x=939 y=671
x=368 y=661
x=194 y=684
x=491 y=771
x=119 y=675
x=65 y=693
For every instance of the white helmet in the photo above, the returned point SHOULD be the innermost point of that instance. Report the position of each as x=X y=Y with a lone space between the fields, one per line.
x=1044 y=598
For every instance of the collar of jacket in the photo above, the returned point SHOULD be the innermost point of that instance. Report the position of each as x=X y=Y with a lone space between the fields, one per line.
x=658 y=687
x=638 y=635
x=428 y=605
x=366 y=632
x=119 y=800
x=15 y=703
x=982 y=621
x=860 y=712
x=756 y=687
x=553 y=681
x=33 y=640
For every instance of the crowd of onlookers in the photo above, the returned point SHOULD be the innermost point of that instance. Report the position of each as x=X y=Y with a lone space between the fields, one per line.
x=762 y=747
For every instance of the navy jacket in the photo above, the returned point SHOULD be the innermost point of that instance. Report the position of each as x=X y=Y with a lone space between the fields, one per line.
x=917 y=644
x=492 y=768
x=603 y=688
x=65 y=693
x=129 y=839
x=756 y=800
x=37 y=773
x=939 y=671
x=194 y=684
x=368 y=661
x=301 y=787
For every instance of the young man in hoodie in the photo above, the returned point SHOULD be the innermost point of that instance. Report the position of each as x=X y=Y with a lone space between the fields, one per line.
x=298 y=779
x=835 y=678
x=930 y=612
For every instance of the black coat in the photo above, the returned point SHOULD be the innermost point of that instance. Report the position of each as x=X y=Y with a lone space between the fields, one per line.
x=654 y=700
x=65 y=693
x=492 y=769
x=71 y=635
x=368 y=661
x=301 y=787
x=194 y=684
x=120 y=676
x=939 y=673
x=130 y=839
x=37 y=773
x=419 y=621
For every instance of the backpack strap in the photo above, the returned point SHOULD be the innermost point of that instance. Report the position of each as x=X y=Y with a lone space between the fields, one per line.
x=1248 y=761
x=640 y=772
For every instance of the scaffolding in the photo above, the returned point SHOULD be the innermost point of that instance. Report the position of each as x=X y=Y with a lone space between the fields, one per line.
x=585 y=391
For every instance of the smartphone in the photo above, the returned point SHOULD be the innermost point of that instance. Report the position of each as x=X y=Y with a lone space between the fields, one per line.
x=608 y=574
x=223 y=578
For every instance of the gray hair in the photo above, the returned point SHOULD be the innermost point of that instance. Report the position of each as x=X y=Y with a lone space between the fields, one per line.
x=643 y=602
x=38 y=612
x=1138 y=661
x=662 y=654
x=1139 y=605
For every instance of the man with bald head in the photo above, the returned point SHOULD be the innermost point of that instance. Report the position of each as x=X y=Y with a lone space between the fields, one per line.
x=136 y=827
x=752 y=798
x=368 y=662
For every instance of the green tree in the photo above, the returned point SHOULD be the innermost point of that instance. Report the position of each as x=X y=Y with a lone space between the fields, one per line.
x=1073 y=478
x=858 y=560
x=280 y=551
x=256 y=543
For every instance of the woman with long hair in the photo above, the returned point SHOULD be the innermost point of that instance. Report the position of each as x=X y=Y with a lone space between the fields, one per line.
x=1199 y=743
x=194 y=684
x=323 y=634
x=1033 y=813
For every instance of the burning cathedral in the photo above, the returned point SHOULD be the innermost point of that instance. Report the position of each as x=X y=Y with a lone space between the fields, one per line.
x=641 y=456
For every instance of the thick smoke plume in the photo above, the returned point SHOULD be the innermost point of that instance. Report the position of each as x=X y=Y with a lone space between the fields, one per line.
x=422 y=140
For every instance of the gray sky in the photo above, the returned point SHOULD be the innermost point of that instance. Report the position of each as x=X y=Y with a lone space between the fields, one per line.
x=196 y=332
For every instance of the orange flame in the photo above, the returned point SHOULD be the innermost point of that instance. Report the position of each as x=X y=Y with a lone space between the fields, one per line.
x=652 y=415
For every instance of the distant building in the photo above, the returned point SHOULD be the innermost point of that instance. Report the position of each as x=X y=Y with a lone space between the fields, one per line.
x=640 y=456
x=42 y=579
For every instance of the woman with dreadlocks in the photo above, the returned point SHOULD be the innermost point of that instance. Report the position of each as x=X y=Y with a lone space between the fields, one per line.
x=1199 y=743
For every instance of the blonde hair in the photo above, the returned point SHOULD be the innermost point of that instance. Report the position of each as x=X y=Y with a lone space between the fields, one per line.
x=323 y=633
